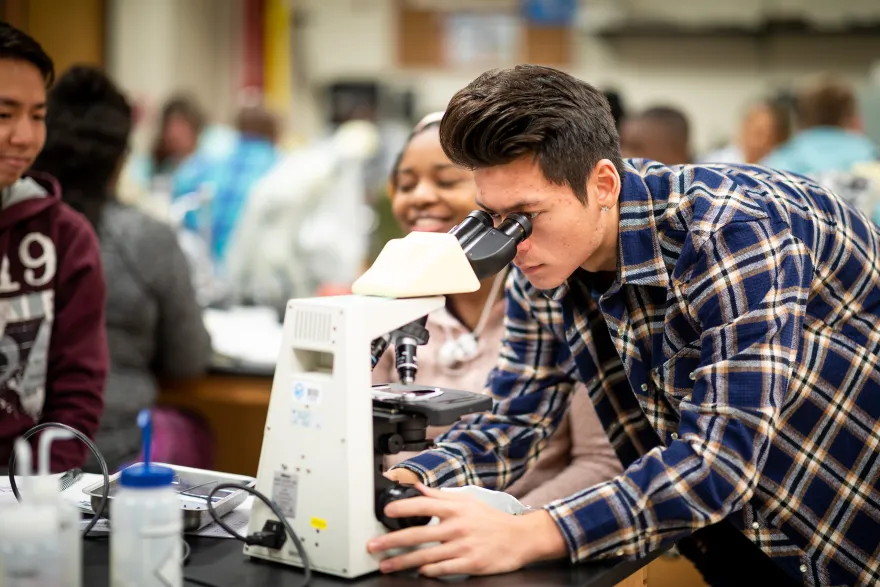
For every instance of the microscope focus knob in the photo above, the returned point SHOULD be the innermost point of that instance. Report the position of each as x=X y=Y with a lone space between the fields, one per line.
x=390 y=444
x=394 y=493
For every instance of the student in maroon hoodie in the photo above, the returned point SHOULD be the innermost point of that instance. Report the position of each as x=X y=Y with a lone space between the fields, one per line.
x=53 y=350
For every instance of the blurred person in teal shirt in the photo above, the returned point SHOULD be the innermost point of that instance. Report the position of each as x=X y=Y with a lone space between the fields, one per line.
x=828 y=139
x=228 y=174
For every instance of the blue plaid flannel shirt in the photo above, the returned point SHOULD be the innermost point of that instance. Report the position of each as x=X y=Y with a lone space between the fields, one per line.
x=733 y=364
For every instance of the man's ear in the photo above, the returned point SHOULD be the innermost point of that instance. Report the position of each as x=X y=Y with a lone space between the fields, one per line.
x=604 y=184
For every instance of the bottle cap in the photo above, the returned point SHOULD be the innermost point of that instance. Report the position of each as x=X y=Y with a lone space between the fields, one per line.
x=146 y=475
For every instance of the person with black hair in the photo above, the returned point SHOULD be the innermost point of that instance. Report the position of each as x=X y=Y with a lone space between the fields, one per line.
x=660 y=133
x=53 y=352
x=154 y=323
x=723 y=320
x=180 y=126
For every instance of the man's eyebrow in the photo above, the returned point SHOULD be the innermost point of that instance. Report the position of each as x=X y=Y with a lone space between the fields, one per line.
x=521 y=205
x=13 y=103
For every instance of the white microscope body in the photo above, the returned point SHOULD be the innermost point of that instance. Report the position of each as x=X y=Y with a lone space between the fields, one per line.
x=327 y=428
x=317 y=461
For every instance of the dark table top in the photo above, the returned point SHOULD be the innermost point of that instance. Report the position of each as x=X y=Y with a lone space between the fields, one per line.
x=221 y=562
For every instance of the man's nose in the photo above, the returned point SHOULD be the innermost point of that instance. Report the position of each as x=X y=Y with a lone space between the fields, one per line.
x=23 y=132
x=523 y=247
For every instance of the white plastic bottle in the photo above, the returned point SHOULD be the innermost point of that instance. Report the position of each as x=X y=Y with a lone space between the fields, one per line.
x=30 y=549
x=146 y=526
x=46 y=490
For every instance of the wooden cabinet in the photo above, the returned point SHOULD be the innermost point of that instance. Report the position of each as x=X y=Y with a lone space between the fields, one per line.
x=235 y=406
x=71 y=31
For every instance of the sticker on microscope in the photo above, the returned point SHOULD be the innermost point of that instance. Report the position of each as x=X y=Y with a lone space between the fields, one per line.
x=284 y=493
x=306 y=419
x=307 y=393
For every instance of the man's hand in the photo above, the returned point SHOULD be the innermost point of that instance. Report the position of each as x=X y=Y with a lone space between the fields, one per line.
x=475 y=538
x=403 y=476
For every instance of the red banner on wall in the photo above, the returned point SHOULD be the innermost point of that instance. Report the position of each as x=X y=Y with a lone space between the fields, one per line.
x=253 y=62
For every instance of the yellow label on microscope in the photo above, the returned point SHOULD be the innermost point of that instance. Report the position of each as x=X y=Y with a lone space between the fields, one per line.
x=319 y=524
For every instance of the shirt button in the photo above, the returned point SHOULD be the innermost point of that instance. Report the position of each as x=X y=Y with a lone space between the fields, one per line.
x=803 y=568
x=644 y=387
x=674 y=435
x=756 y=526
x=693 y=376
x=621 y=330
x=620 y=552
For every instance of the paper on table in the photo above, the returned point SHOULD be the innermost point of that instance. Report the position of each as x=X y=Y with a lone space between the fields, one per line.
x=7 y=498
x=252 y=335
x=237 y=519
x=74 y=494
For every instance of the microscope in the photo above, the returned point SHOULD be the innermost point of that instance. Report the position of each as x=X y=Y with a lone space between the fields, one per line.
x=328 y=428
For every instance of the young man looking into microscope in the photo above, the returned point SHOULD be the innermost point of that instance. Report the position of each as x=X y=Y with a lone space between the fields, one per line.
x=723 y=320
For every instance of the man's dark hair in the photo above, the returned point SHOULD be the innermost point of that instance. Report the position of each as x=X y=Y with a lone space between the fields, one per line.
x=15 y=44
x=565 y=123
x=618 y=112
x=88 y=124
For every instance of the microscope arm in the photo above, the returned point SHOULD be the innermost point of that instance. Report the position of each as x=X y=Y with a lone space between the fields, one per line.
x=488 y=251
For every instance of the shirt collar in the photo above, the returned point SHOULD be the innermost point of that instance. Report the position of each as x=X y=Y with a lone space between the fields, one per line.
x=640 y=261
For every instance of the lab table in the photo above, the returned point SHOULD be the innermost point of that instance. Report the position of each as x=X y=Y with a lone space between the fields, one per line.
x=220 y=562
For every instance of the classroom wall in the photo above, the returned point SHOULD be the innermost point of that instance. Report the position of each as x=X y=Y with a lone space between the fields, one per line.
x=712 y=79
x=159 y=47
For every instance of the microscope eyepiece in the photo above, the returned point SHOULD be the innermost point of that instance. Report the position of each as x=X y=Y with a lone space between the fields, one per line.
x=517 y=226
x=489 y=249
x=475 y=223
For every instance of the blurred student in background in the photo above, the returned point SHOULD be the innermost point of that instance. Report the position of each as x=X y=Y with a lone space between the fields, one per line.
x=53 y=352
x=765 y=126
x=429 y=193
x=180 y=127
x=154 y=325
x=828 y=138
x=229 y=177
x=661 y=133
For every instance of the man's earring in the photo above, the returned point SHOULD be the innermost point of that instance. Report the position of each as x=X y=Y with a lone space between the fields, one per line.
x=605 y=208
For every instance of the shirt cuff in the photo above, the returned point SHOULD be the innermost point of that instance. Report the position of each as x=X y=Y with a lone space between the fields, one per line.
x=591 y=523
x=436 y=469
